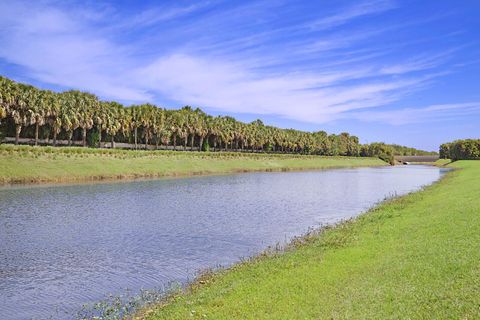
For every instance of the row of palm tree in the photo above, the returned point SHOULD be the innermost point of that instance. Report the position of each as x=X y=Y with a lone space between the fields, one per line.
x=75 y=115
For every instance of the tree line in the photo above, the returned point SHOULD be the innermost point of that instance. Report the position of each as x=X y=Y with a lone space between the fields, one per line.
x=80 y=116
x=468 y=149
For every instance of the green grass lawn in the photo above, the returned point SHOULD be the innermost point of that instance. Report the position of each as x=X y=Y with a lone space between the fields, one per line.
x=25 y=164
x=442 y=162
x=416 y=257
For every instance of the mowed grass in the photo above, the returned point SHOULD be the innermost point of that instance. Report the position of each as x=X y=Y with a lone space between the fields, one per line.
x=24 y=164
x=416 y=257
x=442 y=162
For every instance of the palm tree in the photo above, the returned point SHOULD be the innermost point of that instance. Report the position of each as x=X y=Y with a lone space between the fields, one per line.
x=100 y=118
x=177 y=126
x=3 y=112
x=353 y=148
x=87 y=104
x=25 y=99
x=83 y=104
x=112 y=121
x=39 y=111
x=69 y=119
x=193 y=119
x=7 y=96
x=215 y=130
x=125 y=120
x=147 y=116
x=257 y=136
x=54 y=110
x=159 y=128
x=227 y=131
x=186 y=120
x=135 y=122
x=202 y=128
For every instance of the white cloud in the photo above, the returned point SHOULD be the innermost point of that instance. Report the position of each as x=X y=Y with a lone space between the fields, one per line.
x=356 y=11
x=419 y=63
x=420 y=115
x=310 y=97
x=59 y=47
x=155 y=15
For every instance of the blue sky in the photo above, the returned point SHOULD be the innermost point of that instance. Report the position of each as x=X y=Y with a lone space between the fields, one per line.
x=401 y=71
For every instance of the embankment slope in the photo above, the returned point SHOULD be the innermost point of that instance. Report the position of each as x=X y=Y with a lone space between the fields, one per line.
x=416 y=257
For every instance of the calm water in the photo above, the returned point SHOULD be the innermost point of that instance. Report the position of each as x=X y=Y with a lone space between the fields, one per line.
x=63 y=246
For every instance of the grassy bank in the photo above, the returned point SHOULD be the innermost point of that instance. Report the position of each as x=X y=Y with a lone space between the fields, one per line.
x=24 y=164
x=416 y=257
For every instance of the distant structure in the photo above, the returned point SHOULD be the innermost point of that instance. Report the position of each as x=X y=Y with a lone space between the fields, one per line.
x=414 y=159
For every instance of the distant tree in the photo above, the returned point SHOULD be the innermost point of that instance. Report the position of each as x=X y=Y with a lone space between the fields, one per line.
x=63 y=113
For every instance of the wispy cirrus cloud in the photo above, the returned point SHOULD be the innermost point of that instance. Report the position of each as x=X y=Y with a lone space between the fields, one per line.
x=217 y=59
x=360 y=9
x=57 y=47
x=424 y=114
x=419 y=63
x=155 y=15
x=320 y=97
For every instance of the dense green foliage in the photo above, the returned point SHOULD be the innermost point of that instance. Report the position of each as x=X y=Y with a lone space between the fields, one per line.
x=378 y=149
x=74 y=115
x=415 y=257
x=468 y=149
x=386 y=152
x=407 y=151
x=20 y=164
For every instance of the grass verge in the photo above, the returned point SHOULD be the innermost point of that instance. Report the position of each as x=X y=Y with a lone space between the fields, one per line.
x=25 y=164
x=415 y=257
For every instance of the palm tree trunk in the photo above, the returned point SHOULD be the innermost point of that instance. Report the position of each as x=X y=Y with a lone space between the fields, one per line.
x=200 y=144
x=36 y=133
x=112 y=142
x=99 y=137
x=84 y=135
x=54 y=137
x=70 y=135
x=48 y=135
x=18 y=129
x=192 y=139
x=135 y=134
x=174 y=141
x=185 y=143
x=146 y=142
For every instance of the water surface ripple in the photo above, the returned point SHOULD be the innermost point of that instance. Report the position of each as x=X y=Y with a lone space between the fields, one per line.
x=63 y=246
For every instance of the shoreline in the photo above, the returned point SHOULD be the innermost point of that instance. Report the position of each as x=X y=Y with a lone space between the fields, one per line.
x=47 y=166
x=328 y=241
x=27 y=182
x=208 y=275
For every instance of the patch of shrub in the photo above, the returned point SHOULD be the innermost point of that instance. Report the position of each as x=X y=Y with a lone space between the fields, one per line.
x=93 y=139
x=468 y=149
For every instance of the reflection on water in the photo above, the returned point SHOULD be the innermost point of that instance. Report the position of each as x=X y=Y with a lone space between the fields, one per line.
x=61 y=247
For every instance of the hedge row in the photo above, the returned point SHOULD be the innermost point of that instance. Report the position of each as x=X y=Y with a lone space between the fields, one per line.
x=468 y=149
